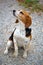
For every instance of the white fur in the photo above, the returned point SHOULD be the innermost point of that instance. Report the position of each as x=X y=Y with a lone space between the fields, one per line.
x=17 y=13
x=16 y=48
x=20 y=39
x=19 y=35
x=9 y=44
x=25 y=54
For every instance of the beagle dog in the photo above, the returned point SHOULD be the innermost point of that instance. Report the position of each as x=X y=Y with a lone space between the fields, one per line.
x=21 y=36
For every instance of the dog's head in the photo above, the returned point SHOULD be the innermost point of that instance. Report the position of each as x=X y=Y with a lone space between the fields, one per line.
x=23 y=16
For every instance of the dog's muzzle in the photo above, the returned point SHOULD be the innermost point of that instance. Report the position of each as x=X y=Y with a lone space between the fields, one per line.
x=14 y=12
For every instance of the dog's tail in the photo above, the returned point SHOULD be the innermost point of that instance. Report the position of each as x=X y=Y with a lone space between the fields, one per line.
x=11 y=37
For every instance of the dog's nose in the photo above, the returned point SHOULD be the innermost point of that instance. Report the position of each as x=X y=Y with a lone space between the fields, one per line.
x=14 y=11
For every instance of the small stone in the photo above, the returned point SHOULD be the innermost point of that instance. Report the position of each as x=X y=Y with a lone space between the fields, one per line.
x=42 y=30
x=4 y=64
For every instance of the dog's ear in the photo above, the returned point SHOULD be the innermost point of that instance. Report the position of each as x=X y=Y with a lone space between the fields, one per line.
x=28 y=21
x=16 y=21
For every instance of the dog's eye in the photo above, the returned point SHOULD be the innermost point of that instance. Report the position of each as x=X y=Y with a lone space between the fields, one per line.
x=21 y=12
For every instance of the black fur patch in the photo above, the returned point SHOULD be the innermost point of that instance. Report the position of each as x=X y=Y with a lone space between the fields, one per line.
x=28 y=32
x=11 y=37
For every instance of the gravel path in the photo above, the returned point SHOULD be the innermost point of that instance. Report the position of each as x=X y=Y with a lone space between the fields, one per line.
x=35 y=54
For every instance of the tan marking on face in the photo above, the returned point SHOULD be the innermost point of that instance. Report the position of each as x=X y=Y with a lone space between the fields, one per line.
x=16 y=21
x=25 y=18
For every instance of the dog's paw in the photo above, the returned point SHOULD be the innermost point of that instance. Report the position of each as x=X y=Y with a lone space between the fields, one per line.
x=15 y=54
x=25 y=55
x=6 y=52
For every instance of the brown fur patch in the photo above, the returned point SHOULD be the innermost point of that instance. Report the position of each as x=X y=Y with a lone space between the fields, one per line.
x=25 y=18
x=16 y=21
x=31 y=37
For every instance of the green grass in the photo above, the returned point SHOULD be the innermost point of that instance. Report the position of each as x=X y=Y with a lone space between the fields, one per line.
x=33 y=5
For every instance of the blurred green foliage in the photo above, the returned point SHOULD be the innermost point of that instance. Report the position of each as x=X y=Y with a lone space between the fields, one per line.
x=33 y=1
x=34 y=5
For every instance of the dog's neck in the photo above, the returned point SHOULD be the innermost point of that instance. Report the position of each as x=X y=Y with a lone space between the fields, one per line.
x=21 y=27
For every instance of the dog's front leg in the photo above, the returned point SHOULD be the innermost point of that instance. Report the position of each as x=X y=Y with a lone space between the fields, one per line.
x=25 y=53
x=9 y=44
x=16 y=49
x=26 y=48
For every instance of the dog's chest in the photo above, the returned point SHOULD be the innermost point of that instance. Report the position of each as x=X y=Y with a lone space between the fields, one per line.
x=20 y=29
x=19 y=35
x=21 y=39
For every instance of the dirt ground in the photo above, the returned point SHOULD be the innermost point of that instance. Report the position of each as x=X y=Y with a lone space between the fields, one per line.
x=35 y=54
